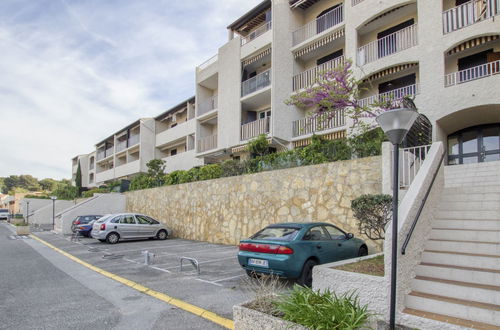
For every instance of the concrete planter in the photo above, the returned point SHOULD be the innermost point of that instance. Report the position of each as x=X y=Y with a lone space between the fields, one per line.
x=371 y=290
x=16 y=221
x=22 y=230
x=250 y=319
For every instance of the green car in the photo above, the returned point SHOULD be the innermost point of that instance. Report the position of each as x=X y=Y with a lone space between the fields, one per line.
x=291 y=250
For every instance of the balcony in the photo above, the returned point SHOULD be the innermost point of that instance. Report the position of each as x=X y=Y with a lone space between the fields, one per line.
x=313 y=124
x=256 y=33
x=477 y=72
x=207 y=63
x=309 y=77
x=255 y=128
x=469 y=13
x=207 y=143
x=207 y=105
x=133 y=140
x=319 y=25
x=356 y=2
x=394 y=95
x=256 y=83
x=391 y=44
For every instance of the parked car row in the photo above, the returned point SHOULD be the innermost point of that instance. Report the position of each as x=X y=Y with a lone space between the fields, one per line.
x=112 y=228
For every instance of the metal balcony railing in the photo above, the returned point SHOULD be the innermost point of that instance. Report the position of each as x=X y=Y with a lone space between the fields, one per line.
x=253 y=84
x=391 y=44
x=394 y=95
x=469 y=13
x=356 y=2
x=101 y=154
x=207 y=105
x=207 y=143
x=309 y=77
x=477 y=72
x=256 y=33
x=207 y=63
x=133 y=140
x=411 y=161
x=323 y=122
x=320 y=24
x=255 y=128
x=121 y=145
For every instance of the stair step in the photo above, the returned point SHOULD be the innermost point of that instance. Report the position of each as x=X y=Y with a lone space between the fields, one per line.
x=450 y=319
x=490 y=236
x=457 y=273
x=467 y=224
x=469 y=205
x=487 y=248
x=483 y=293
x=461 y=259
x=472 y=189
x=453 y=196
x=460 y=308
x=468 y=214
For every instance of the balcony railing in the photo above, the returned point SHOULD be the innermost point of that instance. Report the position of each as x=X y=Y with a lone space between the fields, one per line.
x=255 y=128
x=320 y=24
x=356 y=2
x=309 y=77
x=256 y=33
x=469 y=13
x=207 y=143
x=318 y=123
x=109 y=152
x=253 y=84
x=411 y=160
x=121 y=145
x=101 y=154
x=391 y=44
x=133 y=140
x=394 y=95
x=207 y=63
x=477 y=72
x=207 y=105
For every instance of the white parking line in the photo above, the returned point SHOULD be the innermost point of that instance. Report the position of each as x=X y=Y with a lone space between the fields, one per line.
x=228 y=278
x=161 y=269
x=155 y=248
x=199 y=263
x=217 y=284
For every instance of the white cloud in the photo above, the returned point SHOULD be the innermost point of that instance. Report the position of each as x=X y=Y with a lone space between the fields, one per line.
x=74 y=72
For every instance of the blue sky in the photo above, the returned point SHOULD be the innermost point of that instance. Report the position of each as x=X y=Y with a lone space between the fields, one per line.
x=72 y=72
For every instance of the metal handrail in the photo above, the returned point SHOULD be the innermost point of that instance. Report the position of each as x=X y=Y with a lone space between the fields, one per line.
x=420 y=209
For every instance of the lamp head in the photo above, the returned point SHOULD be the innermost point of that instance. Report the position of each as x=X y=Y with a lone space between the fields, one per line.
x=396 y=123
x=53 y=198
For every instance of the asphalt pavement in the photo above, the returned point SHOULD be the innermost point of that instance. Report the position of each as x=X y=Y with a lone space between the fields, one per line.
x=42 y=289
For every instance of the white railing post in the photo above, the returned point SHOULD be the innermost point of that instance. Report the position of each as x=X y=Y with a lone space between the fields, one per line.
x=253 y=84
x=207 y=143
x=256 y=33
x=255 y=128
x=318 y=123
x=477 y=72
x=394 y=95
x=309 y=77
x=469 y=13
x=411 y=160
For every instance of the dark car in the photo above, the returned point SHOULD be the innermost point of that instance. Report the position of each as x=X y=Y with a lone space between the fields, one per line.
x=85 y=229
x=291 y=250
x=83 y=220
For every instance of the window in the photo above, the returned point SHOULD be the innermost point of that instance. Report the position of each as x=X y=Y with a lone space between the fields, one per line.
x=330 y=57
x=142 y=220
x=397 y=83
x=335 y=233
x=264 y=114
x=115 y=219
x=153 y=221
x=173 y=152
x=127 y=219
x=316 y=234
x=277 y=233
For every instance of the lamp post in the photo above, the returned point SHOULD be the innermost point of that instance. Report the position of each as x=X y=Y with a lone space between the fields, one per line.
x=53 y=211
x=395 y=124
x=27 y=211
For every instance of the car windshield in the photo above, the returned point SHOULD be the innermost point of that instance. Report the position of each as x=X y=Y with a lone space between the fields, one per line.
x=277 y=233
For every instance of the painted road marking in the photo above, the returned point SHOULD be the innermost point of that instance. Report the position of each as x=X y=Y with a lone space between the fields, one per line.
x=227 y=323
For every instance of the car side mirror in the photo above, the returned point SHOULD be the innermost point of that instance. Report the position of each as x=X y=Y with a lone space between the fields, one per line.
x=349 y=235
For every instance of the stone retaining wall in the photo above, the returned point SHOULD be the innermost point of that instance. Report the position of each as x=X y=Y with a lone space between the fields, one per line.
x=228 y=209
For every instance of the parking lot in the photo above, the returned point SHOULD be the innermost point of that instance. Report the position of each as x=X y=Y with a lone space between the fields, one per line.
x=220 y=284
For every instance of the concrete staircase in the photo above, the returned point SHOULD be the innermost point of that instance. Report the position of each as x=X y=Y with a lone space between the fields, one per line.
x=458 y=279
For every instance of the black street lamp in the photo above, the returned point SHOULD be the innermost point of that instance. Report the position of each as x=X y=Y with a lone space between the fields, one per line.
x=53 y=211
x=27 y=211
x=395 y=124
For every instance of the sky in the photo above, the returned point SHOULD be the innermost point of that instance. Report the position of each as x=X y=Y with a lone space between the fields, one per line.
x=73 y=72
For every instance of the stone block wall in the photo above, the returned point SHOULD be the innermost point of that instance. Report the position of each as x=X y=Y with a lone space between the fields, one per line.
x=229 y=209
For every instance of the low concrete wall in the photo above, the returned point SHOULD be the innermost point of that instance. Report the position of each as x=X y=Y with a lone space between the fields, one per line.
x=229 y=209
x=371 y=290
x=100 y=204
x=250 y=319
x=34 y=205
x=43 y=216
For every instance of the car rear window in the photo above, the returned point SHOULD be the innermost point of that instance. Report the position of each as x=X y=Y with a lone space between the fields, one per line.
x=277 y=233
x=4 y=210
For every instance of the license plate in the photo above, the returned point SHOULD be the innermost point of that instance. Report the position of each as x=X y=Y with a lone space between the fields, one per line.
x=258 y=262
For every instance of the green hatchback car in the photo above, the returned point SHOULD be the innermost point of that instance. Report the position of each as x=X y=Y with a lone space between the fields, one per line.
x=291 y=250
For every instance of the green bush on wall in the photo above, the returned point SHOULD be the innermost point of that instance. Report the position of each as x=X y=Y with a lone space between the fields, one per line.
x=317 y=152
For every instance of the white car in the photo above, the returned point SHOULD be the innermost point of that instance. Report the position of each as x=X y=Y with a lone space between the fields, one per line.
x=4 y=214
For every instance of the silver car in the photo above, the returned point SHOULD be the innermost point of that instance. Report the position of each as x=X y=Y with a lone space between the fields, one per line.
x=113 y=227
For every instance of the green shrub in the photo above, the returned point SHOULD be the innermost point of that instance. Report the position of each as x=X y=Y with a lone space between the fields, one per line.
x=18 y=216
x=173 y=177
x=232 y=167
x=368 y=144
x=189 y=176
x=20 y=224
x=209 y=172
x=258 y=146
x=373 y=212
x=37 y=196
x=141 y=181
x=91 y=192
x=325 y=310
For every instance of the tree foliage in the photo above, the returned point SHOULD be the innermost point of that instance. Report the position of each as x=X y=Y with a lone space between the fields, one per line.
x=373 y=212
x=258 y=147
x=78 y=179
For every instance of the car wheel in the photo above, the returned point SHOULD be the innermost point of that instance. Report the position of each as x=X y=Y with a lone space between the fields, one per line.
x=363 y=251
x=73 y=228
x=305 y=278
x=113 y=238
x=253 y=274
x=162 y=234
